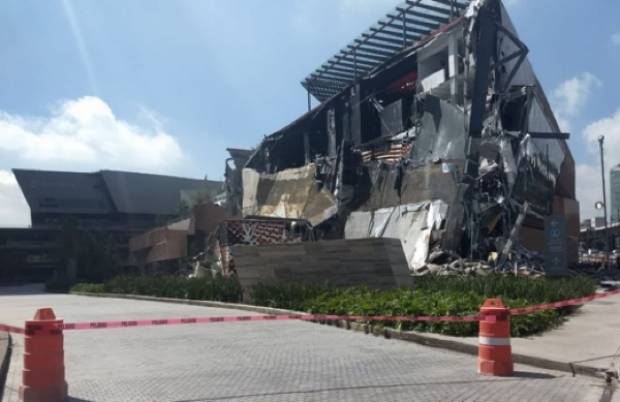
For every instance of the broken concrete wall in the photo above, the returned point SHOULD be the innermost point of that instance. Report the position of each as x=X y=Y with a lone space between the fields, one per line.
x=164 y=243
x=290 y=194
x=205 y=218
x=412 y=224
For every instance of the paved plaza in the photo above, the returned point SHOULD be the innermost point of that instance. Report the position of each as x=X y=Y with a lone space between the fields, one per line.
x=261 y=361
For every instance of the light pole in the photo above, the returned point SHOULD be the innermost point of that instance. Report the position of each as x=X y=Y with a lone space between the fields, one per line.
x=601 y=140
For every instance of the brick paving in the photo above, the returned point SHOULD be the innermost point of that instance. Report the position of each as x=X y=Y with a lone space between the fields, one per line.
x=264 y=361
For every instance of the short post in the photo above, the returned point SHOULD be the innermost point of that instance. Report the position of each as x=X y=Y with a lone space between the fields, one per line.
x=43 y=377
x=494 y=350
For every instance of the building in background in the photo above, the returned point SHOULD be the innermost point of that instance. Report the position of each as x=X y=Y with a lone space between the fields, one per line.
x=614 y=189
x=82 y=222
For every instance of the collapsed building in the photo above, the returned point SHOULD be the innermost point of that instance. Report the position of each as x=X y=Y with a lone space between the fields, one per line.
x=432 y=129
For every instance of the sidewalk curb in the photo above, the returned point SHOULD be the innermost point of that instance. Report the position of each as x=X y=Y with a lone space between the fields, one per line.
x=4 y=364
x=205 y=303
x=390 y=333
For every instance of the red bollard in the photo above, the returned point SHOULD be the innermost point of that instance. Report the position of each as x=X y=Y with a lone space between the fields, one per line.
x=494 y=350
x=43 y=377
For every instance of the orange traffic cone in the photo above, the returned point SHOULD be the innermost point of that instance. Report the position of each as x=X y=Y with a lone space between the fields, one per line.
x=494 y=351
x=43 y=378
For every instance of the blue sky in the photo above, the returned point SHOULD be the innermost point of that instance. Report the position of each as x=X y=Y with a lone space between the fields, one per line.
x=165 y=86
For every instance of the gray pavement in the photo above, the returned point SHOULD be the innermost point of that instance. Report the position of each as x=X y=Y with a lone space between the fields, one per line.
x=263 y=361
x=590 y=337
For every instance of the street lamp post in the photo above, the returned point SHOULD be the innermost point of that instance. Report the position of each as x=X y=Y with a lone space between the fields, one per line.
x=601 y=140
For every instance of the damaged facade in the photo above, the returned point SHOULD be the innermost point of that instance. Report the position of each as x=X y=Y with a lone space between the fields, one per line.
x=432 y=129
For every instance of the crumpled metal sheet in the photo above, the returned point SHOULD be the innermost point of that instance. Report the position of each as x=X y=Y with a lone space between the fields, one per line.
x=437 y=213
x=291 y=193
x=413 y=224
x=509 y=164
x=441 y=134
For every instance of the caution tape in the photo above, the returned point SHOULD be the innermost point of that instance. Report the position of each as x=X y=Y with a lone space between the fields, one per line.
x=11 y=329
x=564 y=303
x=41 y=326
x=259 y=317
x=57 y=329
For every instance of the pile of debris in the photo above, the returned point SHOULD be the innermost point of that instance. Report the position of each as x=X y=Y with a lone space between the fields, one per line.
x=519 y=263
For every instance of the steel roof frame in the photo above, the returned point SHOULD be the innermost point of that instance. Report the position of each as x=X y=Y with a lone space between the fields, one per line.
x=410 y=22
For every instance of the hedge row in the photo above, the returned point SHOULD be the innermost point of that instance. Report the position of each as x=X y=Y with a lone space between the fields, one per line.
x=538 y=290
x=431 y=296
x=217 y=289
x=436 y=296
x=364 y=301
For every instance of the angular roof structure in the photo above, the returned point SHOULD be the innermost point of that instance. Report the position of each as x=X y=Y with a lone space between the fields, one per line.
x=407 y=25
x=139 y=193
x=106 y=191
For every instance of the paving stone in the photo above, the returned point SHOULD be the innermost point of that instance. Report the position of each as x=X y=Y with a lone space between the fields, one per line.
x=265 y=361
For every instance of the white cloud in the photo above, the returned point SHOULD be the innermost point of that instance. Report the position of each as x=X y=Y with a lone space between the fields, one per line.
x=84 y=135
x=14 y=211
x=610 y=128
x=615 y=39
x=571 y=96
x=589 y=186
x=86 y=132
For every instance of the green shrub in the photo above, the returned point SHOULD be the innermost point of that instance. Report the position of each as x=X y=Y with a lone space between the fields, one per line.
x=88 y=287
x=528 y=324
x=292 y=296
x=540 y=290
x=436 y=296
x=217 y=289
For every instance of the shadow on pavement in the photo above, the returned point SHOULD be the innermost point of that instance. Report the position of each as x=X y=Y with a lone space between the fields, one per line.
x=532 y=374
x=514 y=377
x=30 y=289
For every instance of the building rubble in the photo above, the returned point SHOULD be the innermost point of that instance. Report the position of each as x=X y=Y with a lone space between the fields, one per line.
x=446 y=142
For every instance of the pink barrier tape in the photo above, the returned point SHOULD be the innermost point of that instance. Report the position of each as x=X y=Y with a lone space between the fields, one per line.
x=303 y=317
x=564 y=303
x=11 y=329
x=258 y=317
